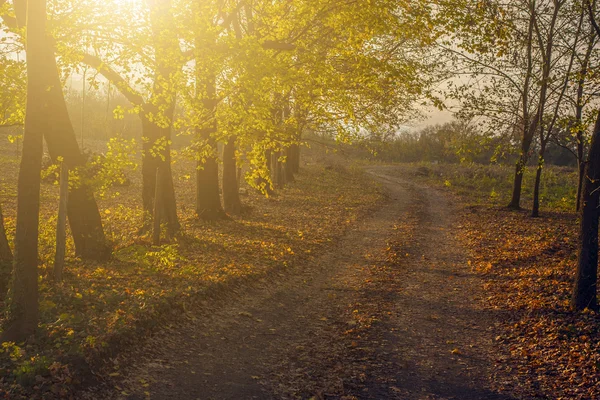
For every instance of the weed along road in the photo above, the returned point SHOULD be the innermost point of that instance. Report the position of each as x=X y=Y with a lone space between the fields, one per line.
x=387 y=311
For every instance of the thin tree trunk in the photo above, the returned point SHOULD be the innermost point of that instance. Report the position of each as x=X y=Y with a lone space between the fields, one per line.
x=24 y=308
x=535 y=211
x=585 y=290
x=6 y=259
x=156 y=217
x=295 y=158
x=208 y=200
x=289 y=160
x=515 y=202
x=529 y=127
x=157 y=154
x=239 y=177
x=581 y=172
x=277 y=170
x=583 y=73
x=61 y=224
x=231 y=195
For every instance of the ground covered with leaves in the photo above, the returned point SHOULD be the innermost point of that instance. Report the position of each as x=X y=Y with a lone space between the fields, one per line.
x=547 y=350
x=101 y=308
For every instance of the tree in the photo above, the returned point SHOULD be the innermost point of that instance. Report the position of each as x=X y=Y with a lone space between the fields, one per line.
x=586 y=287
x=547 y=43
x=159 y=71
x=586 y=278
x=231 y=196
x=84 y=217
x=24 y=307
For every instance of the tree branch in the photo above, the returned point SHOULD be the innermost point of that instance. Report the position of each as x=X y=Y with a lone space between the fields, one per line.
x=126 y=90
x=11 y=22
x=592 y=16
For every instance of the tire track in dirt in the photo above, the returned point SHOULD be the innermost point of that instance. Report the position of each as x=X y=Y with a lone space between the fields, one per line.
x=353 y=323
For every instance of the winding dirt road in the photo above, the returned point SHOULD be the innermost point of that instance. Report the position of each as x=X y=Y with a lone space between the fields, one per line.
x=389 y=311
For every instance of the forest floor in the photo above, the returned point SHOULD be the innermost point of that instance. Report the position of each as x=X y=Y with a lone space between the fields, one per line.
x=390 y=309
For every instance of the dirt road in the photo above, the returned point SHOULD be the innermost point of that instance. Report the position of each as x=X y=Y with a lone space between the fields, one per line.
x=389 y=311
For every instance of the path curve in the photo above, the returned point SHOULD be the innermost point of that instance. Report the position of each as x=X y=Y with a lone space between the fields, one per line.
x=388 y=311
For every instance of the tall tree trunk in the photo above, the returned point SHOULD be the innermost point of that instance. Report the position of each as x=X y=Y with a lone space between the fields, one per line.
x=231 y=195
x=277 y=170
x=579 y=104
x=547 y=58
x=262 y=182
x=6 y=259
x=529 y=127
x=84 y=217
x=585 y=290
x=581 y=172
x=208 y=200
x=24 y=306
x=288 y=167
x=61 y=224
x=157 y=154
x=157 y=116
x=515 y=202
x=535 y=211
x=295 y=162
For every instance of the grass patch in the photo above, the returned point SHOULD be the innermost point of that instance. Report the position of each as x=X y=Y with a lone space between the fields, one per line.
x=492 y=184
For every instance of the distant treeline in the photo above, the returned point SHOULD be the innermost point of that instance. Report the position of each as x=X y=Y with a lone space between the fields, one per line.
x=458 y=142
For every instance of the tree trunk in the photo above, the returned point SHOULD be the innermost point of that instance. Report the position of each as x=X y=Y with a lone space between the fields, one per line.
x=208 y=200
x=24 y=308
x=528 y=129
x=581 y=171
x=84 y=217
x=231 y=195
x=157 y=117
x=277 y=170
x=515 y=202
x=296 y=159
x=156 y=217
x=6 y=259
x=61 y=224
x=579 y=104
x=535 y=211
x=156 y=152
x=585 y=290
x=262 y=182
x=289 y=169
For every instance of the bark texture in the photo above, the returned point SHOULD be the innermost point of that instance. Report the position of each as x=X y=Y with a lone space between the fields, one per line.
x=24 y=309
x=288 y=166
x=231 y=196
x=208 y=199
x=157 y=117
x=585 y=291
